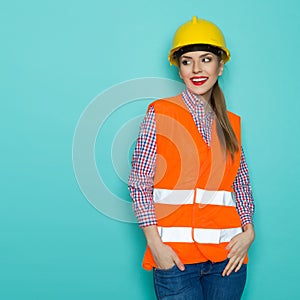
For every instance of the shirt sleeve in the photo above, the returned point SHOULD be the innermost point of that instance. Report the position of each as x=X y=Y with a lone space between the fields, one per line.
x=243 y=193
x=141 y=177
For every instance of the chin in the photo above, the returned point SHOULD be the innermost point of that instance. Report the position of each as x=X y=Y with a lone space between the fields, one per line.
x=197 y=92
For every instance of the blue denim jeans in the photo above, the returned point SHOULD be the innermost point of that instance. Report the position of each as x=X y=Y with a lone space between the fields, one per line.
x=202 y=281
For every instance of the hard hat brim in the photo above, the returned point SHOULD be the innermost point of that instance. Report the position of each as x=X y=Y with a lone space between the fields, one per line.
x=174 y=55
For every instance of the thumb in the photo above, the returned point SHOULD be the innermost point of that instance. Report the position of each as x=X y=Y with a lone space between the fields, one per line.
x=178 y=263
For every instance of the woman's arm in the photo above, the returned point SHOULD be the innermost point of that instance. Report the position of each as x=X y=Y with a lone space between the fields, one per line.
x=142 y=172
x=240 y=244
x=141 y=190
x=243 y=193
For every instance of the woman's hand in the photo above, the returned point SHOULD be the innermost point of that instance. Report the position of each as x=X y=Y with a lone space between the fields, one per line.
x=238 y=248
x=163 y=255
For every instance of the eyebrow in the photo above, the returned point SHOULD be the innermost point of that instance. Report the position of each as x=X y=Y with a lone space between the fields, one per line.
x=203 y=55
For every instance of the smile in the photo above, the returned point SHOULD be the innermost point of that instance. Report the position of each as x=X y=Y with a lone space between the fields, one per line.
x=199 y=80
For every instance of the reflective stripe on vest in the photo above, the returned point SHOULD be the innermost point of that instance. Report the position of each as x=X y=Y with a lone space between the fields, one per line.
x=189 y=234
x=180 y=197
x=199 y=235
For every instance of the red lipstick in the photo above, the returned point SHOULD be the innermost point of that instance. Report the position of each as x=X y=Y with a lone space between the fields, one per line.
x=198 y=80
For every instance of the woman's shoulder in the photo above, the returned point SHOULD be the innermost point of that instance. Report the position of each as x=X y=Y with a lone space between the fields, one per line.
x=167 y=103
x=163 y=101
x=234 y=119
x=232 y=115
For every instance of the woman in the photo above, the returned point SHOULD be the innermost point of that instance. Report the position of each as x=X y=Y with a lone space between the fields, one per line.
x=187 y=164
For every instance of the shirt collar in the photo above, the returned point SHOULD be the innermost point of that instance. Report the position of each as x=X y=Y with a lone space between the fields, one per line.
x=193 y=102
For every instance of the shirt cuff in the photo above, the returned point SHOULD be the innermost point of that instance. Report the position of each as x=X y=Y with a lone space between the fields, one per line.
x=147 y=218
x=246 y=220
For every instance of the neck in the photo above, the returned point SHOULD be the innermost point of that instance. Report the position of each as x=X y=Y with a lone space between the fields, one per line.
x=205 y=99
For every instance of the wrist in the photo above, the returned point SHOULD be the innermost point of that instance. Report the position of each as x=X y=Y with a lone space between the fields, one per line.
x=248 y=226
x=249 y=229
x=152 y=236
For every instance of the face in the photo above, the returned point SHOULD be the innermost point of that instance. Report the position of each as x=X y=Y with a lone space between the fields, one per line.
x=200 y=70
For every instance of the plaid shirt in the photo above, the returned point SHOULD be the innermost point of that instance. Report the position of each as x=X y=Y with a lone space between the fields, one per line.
x=143 y=165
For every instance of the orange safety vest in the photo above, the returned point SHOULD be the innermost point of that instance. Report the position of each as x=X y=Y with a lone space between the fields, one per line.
x=196 y=213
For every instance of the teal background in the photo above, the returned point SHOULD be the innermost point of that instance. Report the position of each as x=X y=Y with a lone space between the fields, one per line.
x=56 y=56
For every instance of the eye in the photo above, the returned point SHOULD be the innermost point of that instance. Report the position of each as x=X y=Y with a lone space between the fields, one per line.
x=206 y=59
x=185 y=62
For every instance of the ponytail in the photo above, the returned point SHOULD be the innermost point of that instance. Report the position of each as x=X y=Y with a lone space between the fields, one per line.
x=224 y=129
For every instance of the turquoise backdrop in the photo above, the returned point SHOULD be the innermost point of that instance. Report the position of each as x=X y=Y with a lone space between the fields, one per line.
x=56 y=57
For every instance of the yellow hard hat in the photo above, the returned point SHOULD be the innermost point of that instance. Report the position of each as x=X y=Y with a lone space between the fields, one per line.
x=198 y=32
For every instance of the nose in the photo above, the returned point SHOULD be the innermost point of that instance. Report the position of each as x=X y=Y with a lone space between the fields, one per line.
x=197 y=67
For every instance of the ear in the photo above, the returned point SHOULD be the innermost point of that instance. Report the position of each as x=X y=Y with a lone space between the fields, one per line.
x=221 y=68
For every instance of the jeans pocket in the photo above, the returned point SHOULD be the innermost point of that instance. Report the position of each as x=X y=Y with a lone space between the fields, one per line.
x=174 y=267
x=171 y=284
